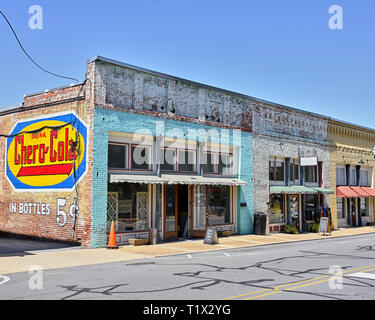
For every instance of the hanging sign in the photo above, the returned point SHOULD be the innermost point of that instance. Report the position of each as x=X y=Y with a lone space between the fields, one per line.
x=309 y=161
x=47 y=153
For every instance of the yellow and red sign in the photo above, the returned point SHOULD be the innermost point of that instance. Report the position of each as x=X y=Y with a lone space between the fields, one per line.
x=47 y=153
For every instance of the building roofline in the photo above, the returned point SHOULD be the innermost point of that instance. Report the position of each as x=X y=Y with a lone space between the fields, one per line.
x=54 y=89
x=130 y=66
x=351 y=125
x=133 y=67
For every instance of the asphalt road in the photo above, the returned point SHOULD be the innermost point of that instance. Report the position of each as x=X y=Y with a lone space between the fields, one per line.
x=302 y=270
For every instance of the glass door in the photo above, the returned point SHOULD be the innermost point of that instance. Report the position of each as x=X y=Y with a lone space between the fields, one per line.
x=294 y=210
x=199 y=221
x=170 y=211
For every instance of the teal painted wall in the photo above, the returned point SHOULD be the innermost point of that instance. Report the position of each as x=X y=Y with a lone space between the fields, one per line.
x=245 y=194
x=109 y=120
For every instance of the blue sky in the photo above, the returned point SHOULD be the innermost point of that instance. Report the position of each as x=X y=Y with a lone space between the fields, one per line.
x=281 y=51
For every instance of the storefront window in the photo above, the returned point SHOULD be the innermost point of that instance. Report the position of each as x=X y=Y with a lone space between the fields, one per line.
x=218 y=205
x=132 y=207
x=276 y=208
x=311 y=207
x=294 y=209
x=340 y=208
x=365 y=204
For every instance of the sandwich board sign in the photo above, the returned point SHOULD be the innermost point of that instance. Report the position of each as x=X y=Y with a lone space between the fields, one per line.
x=324 y=226
x=211 y=236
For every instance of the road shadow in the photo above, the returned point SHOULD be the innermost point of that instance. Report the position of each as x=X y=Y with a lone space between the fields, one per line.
x=13 y=246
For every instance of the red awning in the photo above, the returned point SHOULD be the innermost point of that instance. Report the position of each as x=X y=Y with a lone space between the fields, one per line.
x=346 y=192
x=361 y=192
x=370 y=191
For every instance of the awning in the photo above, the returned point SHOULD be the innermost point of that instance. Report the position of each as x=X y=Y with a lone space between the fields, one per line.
x=323 y=190
x=369 y=190
x=346 y=192
x=184 y=179
x=292 y=190
x=135 y=178
x=361 y=192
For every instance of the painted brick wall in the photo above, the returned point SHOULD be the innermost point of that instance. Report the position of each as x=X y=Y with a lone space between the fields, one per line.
x=37 y=225
x=110 y=120
x=246 y=194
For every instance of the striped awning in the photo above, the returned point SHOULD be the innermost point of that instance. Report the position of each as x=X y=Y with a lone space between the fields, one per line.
x=346 y=192
x=292 y=190
x=324 y=190
x=369 y=190
x=362 y=193
x=135 y=178
x=175 y=179
x=185 y=179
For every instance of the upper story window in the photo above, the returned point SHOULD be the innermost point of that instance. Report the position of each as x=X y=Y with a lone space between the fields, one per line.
x=294 y=170
x=187 y=160
x=118 y=156
x=219 y=163
x=225 y=164
x=366 y=177
x=353 y=177
x=276 y=170
x=141 y=157
x=311 y=174
x=340 y=176
x=168 y=159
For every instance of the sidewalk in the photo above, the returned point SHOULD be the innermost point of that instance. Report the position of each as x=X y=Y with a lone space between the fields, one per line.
x=63 y=258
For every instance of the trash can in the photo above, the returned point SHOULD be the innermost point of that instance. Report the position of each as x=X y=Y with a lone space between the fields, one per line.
x=153 y=236
x=261 y=223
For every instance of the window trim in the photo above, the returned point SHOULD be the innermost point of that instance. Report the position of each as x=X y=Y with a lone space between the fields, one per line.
x=230 y=154
x=345 y=182
x=274 y=160
x=316 y=176
x=126 y=156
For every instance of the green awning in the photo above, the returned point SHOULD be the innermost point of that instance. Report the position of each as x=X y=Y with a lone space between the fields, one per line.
x=292 y=190
x=323 y=190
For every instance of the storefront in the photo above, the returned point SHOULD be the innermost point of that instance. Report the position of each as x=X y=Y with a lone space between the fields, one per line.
x=295 y=205
x=171 y=180
x=354 y=205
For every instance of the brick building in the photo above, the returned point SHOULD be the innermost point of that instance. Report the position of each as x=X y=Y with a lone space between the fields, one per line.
x=150 y=150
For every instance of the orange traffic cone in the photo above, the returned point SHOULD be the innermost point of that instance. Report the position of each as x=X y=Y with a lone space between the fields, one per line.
x=112 y=238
